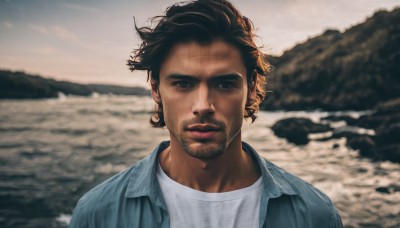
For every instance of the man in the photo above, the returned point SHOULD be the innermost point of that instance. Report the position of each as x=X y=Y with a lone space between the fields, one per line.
x=206 y=76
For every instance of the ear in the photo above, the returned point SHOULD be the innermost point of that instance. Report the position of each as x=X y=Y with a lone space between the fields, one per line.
x=155 y=91
x=251 y=93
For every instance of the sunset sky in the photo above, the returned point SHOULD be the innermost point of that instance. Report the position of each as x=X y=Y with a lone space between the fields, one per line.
x=90 y=40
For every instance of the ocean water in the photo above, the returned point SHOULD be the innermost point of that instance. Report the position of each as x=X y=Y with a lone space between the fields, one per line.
x=52 y=151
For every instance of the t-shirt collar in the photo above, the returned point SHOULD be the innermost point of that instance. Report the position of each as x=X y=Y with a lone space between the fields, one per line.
x=143 y=180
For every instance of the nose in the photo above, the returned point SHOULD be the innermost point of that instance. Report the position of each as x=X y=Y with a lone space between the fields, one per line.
x=203 y=104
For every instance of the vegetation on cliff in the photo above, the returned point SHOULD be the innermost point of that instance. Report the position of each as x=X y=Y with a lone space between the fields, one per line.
x=356 y=69
x=19 y=85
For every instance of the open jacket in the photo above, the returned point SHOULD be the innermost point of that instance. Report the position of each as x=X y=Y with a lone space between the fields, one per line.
x=133 y=198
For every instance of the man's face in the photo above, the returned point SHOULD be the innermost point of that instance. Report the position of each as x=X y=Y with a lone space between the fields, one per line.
x=203 y=90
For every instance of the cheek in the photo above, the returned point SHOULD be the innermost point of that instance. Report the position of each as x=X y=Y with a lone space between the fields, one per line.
x=173 y=109
x=233 y=104
x=232 y=110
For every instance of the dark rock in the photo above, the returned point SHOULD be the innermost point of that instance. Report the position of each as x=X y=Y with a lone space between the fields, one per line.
x=396 y=188
x=335 y=146
x=362 y=170
x=376 y=120
x=292 y=131
x=388 y=134
x=336 y=118
x=308 y=125
x=352 y=70
x=388 y=189
x=345 y=132
x=365 y=144
x=385 y=114
x=389 y=152
x=385 y=120
x=389 y=108
x=381 y=172
x=296 y=130
x=19 y=85
x=370 y=122
x=383 y=190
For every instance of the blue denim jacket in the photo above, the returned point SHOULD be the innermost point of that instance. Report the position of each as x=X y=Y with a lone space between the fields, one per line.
x=133 y=198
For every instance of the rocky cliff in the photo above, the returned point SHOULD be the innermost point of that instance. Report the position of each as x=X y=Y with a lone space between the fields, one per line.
x=19 y=85
x=356 y=69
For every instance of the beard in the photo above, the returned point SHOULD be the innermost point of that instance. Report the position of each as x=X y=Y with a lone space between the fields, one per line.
x=204 y=149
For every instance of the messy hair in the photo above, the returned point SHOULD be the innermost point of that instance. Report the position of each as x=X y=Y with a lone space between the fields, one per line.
x=202 y=21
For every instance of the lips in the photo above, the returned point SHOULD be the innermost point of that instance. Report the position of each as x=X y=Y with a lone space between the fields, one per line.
x=203 y=131
x=203 y=127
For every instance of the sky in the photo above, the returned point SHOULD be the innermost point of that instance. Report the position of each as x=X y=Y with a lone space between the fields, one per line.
x=89 y=41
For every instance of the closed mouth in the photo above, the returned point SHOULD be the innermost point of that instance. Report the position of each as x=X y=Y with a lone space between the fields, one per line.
x=203 y=127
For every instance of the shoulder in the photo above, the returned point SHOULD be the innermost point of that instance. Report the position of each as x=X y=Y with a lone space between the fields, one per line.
x=102 y=199
x=308 y=206
x=297 y=185
x=124 y=200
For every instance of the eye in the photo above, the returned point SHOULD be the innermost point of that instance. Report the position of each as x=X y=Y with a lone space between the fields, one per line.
x=224 y=85
x=182 y=84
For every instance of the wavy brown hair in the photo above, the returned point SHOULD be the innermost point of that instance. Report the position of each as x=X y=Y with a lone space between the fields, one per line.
x=202 y=21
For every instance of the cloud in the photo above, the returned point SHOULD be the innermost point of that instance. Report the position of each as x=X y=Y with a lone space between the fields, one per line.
x=61 y=33
x=8 y=24
x=64 y=34
x=283 y=23
x=44 y=50
x=81 y=8
x=57 y=31
x=40 y=29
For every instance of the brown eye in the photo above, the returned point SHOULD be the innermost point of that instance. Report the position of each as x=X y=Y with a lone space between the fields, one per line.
x=225 y=85
x=183 y=84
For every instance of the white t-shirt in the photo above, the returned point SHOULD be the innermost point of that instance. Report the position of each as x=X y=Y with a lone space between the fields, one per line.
x=188 y=207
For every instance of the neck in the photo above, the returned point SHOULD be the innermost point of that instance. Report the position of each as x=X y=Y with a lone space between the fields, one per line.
x=233 y=169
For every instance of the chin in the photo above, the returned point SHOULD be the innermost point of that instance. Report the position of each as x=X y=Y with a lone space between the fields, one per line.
x=204 y=151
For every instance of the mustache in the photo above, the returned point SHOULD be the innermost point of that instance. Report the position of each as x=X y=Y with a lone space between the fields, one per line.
x=200 y=120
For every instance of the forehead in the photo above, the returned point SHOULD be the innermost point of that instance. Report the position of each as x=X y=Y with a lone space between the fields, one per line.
x=192 y=58
x=217 y=49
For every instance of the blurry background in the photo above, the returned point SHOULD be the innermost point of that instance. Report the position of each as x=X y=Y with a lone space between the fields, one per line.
x=89 y=41
x=72 y=114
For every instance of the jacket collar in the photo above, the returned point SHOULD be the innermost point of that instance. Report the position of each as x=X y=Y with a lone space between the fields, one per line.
x=143 y=179
x=273 y=178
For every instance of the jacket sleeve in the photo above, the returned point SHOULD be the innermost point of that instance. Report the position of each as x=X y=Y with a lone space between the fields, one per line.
x=336 y=221
x=79 y=218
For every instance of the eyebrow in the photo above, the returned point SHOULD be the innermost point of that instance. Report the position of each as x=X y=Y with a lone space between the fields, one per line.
x=180 y=76
x=230 y=76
